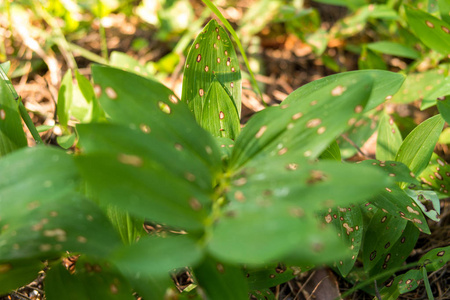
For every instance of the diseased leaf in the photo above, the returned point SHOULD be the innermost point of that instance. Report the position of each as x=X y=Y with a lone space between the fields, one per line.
x=219 y=115
x=430 y=30
x=168 y=184
x=394 y=169
x=428 y=202
x=211 y=56
x=142 y=103
x=268 y=276
x=415 y=151
x=435 y=259
x=410 y=281
x=389 y=138
x=349 y=224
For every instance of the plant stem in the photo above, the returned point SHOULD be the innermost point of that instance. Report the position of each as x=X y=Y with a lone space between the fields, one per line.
x=102 y=32
x=26 y=118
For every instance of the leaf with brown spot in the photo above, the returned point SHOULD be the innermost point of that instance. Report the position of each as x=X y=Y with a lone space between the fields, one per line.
x=437 y=174
x=435 y=259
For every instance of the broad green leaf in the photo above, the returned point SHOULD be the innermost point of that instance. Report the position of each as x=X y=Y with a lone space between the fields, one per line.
x=17 y=273
x=398 y=248
x=444 y=10
x=444 y=108
x=310 y=187
x=167 y=183
x=211 y=56
x=146 y=104
x=129 y=227
x=307 y=123
x=417 y=86
x=437 y=92
x=432 y=31
x=396 y=202
x=415 y=151
x=92 y=280
x=220 y=280
x=12 y=136
x=395 y=49
x=219 y=115
x=389 y=138
x=349 y=224
x=295 y=237
x=428 y=202
x=437 y=174
x=435 y=259
x=65 y=95
x=394 y=169
x=157 y=256
x=268 y=276
x=40 y=214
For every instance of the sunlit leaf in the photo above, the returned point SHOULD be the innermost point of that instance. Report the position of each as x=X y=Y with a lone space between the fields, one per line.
x=432 y=31
x=415 y=151
x=437 y=174
x=211 y=56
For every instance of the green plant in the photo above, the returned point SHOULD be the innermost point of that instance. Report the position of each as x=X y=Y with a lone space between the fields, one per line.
x=243 y=210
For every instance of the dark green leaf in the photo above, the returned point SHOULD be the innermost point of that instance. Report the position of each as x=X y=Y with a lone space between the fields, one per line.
x=220 y=280
x=430 y=30
x=146 y=104
x=415 y=151
x=437 y=174
x=156 y=256
x=92 y=280
x=268 y=276
x=12 y=136
x=17 y=273
x=444 y=108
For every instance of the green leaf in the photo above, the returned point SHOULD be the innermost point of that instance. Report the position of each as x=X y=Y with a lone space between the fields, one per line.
x=421 y=86
x=129 y=228
x=444 y=108
x=444 y=10
x=307 y=121
x=433 y=32
x=395 y=201
x=391 y=250
x=371 y=60
x=219 y=115
x=428 y=202
x=40 y=213
x=85 y=107
x=292 y=236
x=437 y=174
x=65 y=95
x=410 y=281
x=395 y=49
x=332 y=152
x=216 y=278
x=92 y=280
x=389 y=138
x=17 y=273
x=394 y=169
x=12 y=136
x=415 y=151
x=146 y=104
x=125 y=62
x=349 y=224
x=435 y=259
x=6 y=66
x=157 y=256
x=268 y=276
x=211 y=57
x=169 y=183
